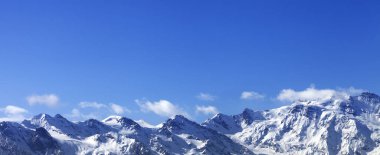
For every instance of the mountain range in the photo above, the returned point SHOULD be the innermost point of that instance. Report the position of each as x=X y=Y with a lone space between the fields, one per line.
x=349 y=125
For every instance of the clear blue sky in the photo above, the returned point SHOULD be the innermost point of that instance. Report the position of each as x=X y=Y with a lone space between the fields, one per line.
x=122 y=50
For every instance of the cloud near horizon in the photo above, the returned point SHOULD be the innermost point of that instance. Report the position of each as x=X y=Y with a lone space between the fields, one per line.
x=77 y=114
x=13 y=113
x=95 y=105
x=312 y=93
x=97 y=108
x=207 y=110
x=251 y=95
x=46 y=99
x=85 y=110
x=161 y=108
x=117 y=109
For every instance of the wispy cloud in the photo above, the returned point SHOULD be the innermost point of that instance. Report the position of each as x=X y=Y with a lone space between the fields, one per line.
x=46 y=99
x=112 y=107
x=207 y=110
x=92 y=105
x=14 y=110
x=206 y=97
x=161 y=107
x=78 y=115
x=75 y=113
x=13 y=113
x=117 y=108
x=312 y=93
x=251 y=95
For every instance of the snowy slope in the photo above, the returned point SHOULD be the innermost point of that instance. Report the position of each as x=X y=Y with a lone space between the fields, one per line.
x=337 y=126
x=15 y=139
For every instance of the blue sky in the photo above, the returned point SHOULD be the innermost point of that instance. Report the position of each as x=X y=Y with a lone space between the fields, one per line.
x=158 y=58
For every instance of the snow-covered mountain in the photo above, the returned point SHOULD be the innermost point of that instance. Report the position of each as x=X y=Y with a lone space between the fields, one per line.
x=15 y=139
x=336 y=126
x=340 y=125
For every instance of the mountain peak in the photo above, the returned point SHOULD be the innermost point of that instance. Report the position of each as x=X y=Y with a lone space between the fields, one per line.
x=120 y=121
x=177 y=122
x=180 y=118
x=47 y=118
x=288 y=130
x=59 y=116
x=369 y=94
x=219 y=116
x=39 y=120
x=248 y=116
x=247 y=110
x=177 y=119
x=112 y=117
x=371 y=97
x=42 y=116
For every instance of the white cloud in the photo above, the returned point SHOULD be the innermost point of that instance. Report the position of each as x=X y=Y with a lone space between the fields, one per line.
x=75 y=113
x=13 y=110
x=13 y=113
x=15 y=118
x=99 y=108
x=91 y=105
x=207 y=110
x=352 y=91
x=47 y=99
x=161 y=107
x=117 y=108
x=251 y=95
x=206 y=97
x=78 y=115
x=312 y=93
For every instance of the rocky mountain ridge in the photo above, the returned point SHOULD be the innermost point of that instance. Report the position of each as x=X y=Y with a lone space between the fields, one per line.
x=336 y=126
